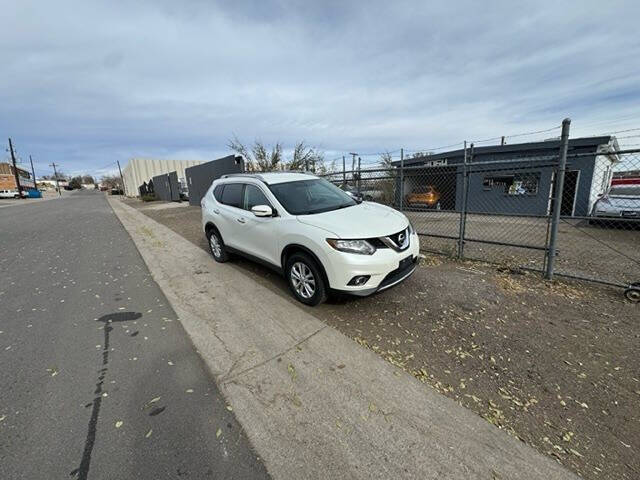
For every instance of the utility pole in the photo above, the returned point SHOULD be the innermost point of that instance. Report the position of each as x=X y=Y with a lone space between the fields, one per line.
x=15 y=169
x=33 y=172
x=121 y=177
x=359 y=176
x=502 y=141
x=55 y=174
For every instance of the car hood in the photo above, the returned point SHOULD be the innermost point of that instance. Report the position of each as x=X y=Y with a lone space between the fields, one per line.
x=365 y=220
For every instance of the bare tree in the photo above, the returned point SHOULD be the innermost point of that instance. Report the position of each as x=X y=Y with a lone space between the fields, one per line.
x=111 y=181
x=260 y=159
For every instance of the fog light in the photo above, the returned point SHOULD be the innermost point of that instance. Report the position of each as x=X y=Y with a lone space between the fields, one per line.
x=359 y=280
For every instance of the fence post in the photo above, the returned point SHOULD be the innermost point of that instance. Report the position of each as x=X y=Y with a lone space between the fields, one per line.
x=557 y=200
x=359 y=176
x=344 y=173
x=401 y=179
x=463 y=207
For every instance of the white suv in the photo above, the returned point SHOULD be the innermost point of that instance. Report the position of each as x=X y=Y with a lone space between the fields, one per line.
x=307 y=228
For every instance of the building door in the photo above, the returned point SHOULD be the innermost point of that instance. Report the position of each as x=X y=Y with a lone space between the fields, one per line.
x=569 y=194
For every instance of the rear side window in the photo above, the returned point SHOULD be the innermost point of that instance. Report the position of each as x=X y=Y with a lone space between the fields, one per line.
x=232 y=195
x=253 y=196
x=217 y=192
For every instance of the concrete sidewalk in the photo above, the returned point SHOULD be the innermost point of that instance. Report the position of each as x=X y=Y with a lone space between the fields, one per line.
x=314 y=403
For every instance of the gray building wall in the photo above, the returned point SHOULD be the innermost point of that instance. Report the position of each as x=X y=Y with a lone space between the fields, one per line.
x=166 y=187
x=536 y=157
x=200 y=177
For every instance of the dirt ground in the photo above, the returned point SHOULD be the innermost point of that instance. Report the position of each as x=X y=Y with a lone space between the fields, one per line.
x=555 y=364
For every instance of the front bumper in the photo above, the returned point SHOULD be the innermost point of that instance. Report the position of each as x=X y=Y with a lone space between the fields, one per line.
x=617 y=214
x=383 y=267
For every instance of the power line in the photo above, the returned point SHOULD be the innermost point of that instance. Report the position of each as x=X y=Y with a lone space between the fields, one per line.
x=622 y=131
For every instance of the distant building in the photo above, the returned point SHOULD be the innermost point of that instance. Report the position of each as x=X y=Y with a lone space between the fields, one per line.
x=516 y=179
x=140 y=170
x=46 y=184
x=8 y=179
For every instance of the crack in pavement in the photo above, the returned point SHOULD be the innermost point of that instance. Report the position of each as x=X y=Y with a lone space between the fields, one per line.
x=224 y=381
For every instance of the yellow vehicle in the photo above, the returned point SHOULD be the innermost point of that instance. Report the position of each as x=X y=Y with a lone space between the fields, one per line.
x=424 y=195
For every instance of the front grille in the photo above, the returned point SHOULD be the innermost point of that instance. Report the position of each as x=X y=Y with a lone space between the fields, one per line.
x=398 y=241
x=376 y=242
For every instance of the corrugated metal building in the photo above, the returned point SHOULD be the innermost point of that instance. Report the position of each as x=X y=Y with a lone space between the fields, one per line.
x=140 y=170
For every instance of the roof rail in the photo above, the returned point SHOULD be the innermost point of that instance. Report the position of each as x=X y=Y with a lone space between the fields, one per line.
x=250 y=175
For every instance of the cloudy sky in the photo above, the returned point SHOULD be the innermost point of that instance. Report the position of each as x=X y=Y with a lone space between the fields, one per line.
x=87 y=83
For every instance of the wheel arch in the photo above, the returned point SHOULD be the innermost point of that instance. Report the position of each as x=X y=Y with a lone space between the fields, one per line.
x=294 y=248
x=210 y=226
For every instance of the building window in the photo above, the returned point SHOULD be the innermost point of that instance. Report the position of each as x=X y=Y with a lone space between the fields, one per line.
x=518 y=184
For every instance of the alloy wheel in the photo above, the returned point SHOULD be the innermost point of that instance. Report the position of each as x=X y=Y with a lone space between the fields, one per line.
x=216 y=247
x=304 y=283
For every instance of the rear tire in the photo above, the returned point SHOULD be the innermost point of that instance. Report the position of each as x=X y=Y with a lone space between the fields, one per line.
x=216 y=246
x=305 y=279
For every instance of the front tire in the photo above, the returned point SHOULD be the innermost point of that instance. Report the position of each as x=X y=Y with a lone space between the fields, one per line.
x=216 y=246
x=305 y=279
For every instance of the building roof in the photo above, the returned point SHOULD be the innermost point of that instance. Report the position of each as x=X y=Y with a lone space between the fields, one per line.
x=576 y=145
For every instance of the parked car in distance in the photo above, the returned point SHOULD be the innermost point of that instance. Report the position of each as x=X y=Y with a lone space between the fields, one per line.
x=311 y=231
x=621 y=202
x=13 y=194
x=423 y=196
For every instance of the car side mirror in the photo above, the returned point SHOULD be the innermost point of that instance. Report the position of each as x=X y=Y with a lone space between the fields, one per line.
x=262 y=211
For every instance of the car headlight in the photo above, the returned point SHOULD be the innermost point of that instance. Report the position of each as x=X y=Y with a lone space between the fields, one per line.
x=361 y=247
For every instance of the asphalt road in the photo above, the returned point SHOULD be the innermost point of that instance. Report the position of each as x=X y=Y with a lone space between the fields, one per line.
x=98 y=379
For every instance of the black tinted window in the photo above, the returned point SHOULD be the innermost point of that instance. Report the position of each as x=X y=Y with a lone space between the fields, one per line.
x=253 y=196
x=217 y=192
x=305 y=197
x=232 y=194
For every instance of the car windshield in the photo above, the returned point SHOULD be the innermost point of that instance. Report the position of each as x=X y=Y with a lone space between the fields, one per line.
x=626 y=190
x=306 y=197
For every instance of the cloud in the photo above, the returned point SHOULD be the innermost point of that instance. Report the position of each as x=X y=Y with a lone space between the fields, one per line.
x=86 y=84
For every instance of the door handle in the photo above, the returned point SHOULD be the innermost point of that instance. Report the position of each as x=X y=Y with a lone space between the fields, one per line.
x=241 y=220
x=216 y=211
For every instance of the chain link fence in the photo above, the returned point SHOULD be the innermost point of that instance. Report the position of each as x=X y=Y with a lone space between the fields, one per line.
x=498 y=205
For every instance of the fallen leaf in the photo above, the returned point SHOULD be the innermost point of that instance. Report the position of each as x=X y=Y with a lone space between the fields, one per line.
x=151 y=402
x=229 y=408
x=189 y=390
x=148 y=433
x=218 y=433
x=119 y=423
